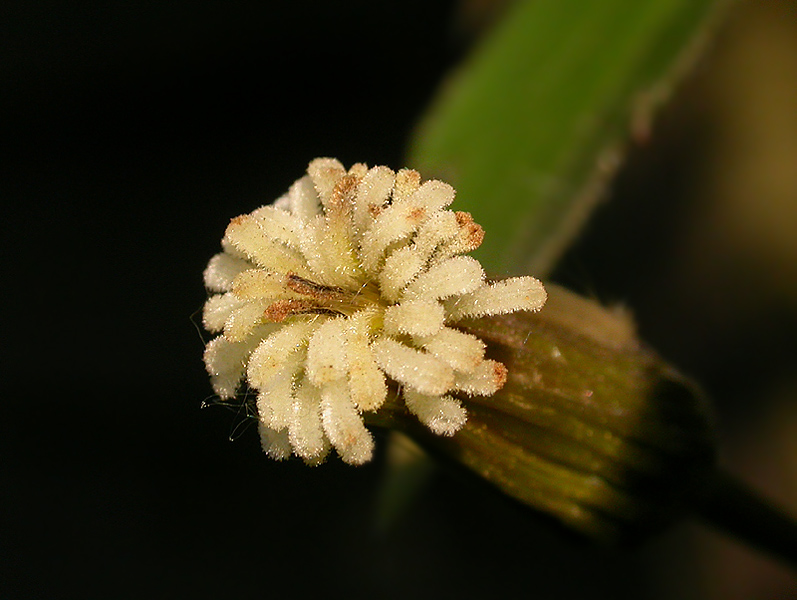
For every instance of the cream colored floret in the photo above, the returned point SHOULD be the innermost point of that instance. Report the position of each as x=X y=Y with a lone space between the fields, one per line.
x=350 y=280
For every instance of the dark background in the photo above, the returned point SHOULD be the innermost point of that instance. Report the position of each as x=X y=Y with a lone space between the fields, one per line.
x=129 y=136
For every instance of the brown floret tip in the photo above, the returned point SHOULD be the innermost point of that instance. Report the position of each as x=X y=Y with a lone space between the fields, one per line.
x=472 y=232
x=499 y=374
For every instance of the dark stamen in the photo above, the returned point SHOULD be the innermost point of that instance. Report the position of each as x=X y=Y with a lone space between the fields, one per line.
x=280 y=310
x=303 y=286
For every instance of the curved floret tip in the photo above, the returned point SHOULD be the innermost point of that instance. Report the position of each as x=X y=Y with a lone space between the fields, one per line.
x=353 y=279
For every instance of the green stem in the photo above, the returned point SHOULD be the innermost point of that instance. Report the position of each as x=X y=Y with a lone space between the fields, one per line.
x=734 y=508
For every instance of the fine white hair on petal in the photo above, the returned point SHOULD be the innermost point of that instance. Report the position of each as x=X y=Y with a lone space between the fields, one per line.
x=279 y=225
x=339 y=226
x=413 y=368
x=326 y=354
x=372 y=195
x=358 y=170
x=509 y=295
x=330 y=263
x=343 y=425
x=254 y=284
x=275 y=443
x=444 y=415
x=304 y=200
x=486 y=379
x=469 y=236
x=243 y=320
x=462 y=351
x=230 y=249
x=434 y=195
x=311 y=243
x=396 y=222
x=321 y=457
x=407 y=181
x=344 y=269
x=222 y=270
x=414 y=317
x=217 y=310
x=225 y=362
x=457 y=275
x=246 y=234
x=273 y=352
x=339 y=208
x=366 y=380
x=325 y=174
x=304 y=431
x=275 y=400
x=283 y=202
x=440 y=227
x=401 y=267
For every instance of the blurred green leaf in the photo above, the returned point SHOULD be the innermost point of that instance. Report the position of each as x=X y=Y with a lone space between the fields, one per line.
x=533 y=125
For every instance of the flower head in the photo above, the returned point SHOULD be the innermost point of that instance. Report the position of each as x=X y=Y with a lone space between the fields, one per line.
x=351 y=279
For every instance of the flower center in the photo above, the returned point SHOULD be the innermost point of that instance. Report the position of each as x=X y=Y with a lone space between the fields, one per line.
x=316 y=298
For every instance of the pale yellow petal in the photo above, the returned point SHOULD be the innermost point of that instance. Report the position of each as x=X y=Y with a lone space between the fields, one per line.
x=397 y=222
x=222 y=270
x=487 y=378
x=243 y=320
x=506 y=296
x=275 y=443
x=461 y=351
x=254 y=284
x=415 y=318
x=279 y=225
x=275 y=399
x=247 y=235
x=326 y=354
x=444 y=415
x=343 y=425
x=217 y=310
x=272 y=352
x=413 y=368
x=457 y=275
x=401 y=267
x=434 y=195
x=325 y=173
x=303 y=199
x=304 y=431
x=226 y=361
x=372 y=195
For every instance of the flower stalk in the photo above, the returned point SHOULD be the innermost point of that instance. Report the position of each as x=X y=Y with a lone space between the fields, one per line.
x=734 y=508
